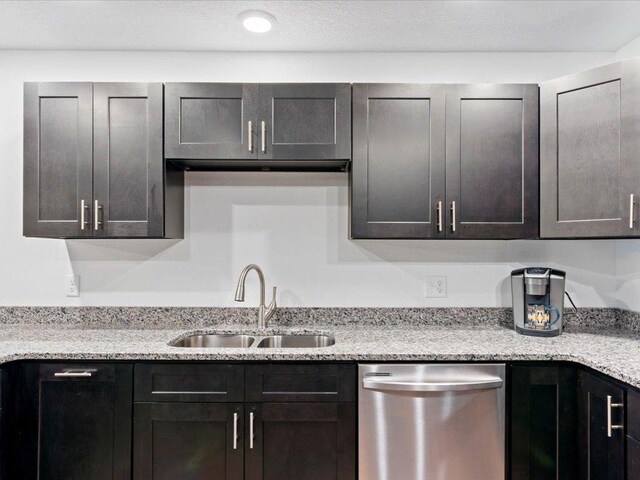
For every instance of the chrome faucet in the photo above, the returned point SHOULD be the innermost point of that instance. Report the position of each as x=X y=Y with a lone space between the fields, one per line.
x=264 y=312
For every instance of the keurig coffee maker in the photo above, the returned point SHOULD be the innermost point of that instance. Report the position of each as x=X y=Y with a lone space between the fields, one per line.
x=538 y=301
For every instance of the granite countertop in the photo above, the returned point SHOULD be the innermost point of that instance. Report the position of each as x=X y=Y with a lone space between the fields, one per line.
x=613 y=351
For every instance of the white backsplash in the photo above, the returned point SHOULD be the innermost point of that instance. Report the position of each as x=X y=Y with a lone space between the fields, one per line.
x=295 y=225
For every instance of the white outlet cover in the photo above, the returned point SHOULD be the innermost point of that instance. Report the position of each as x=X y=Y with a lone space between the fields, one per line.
x=435 y=286
x=72 y=285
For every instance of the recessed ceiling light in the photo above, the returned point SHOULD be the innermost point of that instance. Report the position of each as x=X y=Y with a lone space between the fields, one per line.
x=257 y=21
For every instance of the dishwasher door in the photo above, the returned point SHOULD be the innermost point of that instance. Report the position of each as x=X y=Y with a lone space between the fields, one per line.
x=432 y=422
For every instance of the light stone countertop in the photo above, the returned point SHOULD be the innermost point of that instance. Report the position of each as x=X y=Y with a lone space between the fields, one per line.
x=615 y=352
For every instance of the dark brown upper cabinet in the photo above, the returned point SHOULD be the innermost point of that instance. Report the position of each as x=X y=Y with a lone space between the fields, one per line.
x=398 y=169
x=258 y=126
x=58 y=159
x=408 y=138
x=492 y=161
x=210 y=121
x=590 y=138
x=93 y=163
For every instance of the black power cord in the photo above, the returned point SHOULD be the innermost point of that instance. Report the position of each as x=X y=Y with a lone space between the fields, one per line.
x=575 y=309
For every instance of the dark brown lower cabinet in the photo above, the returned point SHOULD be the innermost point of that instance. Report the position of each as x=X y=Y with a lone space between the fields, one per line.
x=301 y=441
x=195 y=441
x=633 y=459
x=601 y=436
x=543 y=422
x=71 y=422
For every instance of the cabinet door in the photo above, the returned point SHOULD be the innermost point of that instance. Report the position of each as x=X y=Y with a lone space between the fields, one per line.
x=492 y=161
x=210 y=121
x=128 y=163
x=590 y=136
x=600 y=443
x=198 y=441
x=542 y=437
x=302 y=441
x=84 y=422
x=57 y=159
x=633 y=459
x=398 y=169
x=305 y=121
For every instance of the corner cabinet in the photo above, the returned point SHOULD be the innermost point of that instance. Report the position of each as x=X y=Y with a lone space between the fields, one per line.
x=601 y=428
x=258 y=126
x=590 y=138
x=93 y=163
x=436 y=161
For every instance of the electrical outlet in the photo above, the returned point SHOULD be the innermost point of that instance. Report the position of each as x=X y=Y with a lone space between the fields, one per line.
x=72 y=285
x=435 y=286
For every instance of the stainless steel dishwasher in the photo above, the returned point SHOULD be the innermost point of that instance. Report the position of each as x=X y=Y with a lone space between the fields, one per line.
x=432 y=422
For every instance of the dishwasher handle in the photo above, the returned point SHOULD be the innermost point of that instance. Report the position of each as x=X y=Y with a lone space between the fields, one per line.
x=447 y=386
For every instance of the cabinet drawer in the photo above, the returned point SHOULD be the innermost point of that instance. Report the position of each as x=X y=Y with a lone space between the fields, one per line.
x=301 y=383
x=633 y=413
x=188 y=383
x=633 y=459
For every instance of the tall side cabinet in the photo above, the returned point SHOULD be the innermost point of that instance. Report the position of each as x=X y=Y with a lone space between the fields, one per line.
x=436 y=161
x=590 y=138
x=94 y=164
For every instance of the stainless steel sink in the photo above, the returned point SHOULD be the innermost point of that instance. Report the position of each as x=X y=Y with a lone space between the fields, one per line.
x=215 y=341
x=296 y=341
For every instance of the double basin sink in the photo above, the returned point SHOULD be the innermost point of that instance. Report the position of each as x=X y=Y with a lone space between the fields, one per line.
x=253 y=341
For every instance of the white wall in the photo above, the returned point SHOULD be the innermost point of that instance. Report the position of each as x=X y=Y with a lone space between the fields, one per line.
x=630 y=50
x=294 y=225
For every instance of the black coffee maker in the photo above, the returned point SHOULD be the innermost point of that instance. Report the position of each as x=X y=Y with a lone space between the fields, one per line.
x=538 y=301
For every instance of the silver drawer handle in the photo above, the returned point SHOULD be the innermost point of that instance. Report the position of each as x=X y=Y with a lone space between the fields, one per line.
x=263 y=134
x=453 y=216
x=96 y=215
x=73 y=374
x=250 y=137
x=400 y=386
x=235 y=431
x=631 y=205
x=611 y=406
x=83 y=209
x=439 y=212
x=251 y=416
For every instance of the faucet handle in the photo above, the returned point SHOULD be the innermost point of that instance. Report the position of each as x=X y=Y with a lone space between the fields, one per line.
x=273 y=300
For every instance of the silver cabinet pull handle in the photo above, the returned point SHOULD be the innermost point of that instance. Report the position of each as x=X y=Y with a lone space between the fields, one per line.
x=235 y=431
x=73 y=374
x=439 y=213
x=250 y=137
x=263 y=135
x=83 y=209
x=251 y=416
x=96 y=215
x=631 y=205
x=400 y=386
x=610 y=426
x=453 y=216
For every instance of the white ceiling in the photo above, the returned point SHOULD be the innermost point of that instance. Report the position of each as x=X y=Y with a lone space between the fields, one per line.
x=468 y=26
